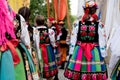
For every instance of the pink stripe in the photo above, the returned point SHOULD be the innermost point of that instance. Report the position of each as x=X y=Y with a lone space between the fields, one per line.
x=79 y=58
x=88 y=67
x=46 y=68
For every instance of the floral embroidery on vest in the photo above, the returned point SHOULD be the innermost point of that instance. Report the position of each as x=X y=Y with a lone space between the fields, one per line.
x=44 y=36
x=87 y=32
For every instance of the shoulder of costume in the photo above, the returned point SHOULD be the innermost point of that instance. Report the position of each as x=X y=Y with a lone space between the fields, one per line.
x=21 y=17
x=38 y=27
x=101 y=25
x=53 y=27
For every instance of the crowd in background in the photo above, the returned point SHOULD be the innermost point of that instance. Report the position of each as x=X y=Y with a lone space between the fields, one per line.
x=34 y=52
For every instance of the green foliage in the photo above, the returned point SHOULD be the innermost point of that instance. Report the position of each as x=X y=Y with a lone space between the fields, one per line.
x=37 y=7
x=72 y=17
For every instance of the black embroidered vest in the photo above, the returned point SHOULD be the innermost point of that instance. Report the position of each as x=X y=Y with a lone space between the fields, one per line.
x=44 y=36
x=88 y=32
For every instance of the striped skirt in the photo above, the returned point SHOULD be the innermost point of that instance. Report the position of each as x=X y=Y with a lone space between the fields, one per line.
x=49 y=61
x=79 y=68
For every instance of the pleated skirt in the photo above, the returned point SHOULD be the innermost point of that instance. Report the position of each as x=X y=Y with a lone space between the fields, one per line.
x=78 y=68
x=49 y=61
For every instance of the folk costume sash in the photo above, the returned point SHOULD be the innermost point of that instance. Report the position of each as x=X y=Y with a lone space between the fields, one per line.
x=11 y=45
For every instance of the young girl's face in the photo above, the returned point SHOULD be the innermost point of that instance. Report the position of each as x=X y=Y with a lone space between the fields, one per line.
x=49 y=24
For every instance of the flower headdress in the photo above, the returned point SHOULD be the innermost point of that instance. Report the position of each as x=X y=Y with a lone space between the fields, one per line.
x=90 y=4
x=90 y=8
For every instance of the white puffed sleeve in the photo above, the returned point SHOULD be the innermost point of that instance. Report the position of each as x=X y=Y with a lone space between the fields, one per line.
x=52 y=37
x=102 y=40
x=73 y=37
x=25 y=37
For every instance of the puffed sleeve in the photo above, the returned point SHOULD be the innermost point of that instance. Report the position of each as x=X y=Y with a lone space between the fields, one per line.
x=52 y=37
x=73 y=37
x=102 y=39
x=25 y=38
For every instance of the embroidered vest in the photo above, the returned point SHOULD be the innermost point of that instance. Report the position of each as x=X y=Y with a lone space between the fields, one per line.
x=44 y=36
x=88 y=32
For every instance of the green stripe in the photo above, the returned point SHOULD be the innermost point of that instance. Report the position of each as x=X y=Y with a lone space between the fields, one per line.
x=97 y=58
x=19 y=68
x=49 y=57
x=71 y=65
x=84 y=67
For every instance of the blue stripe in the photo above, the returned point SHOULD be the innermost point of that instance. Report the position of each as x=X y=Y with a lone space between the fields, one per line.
x=7 y=67
x=93 y=68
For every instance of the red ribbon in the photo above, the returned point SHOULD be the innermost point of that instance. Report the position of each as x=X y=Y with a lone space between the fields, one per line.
x=11 y=45
x=87 y=47
x=44 y=53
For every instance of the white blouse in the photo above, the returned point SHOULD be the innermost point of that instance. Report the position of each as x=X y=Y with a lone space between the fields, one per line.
x=36 y=38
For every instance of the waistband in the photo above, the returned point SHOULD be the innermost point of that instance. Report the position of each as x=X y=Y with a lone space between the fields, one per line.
x=95 y=43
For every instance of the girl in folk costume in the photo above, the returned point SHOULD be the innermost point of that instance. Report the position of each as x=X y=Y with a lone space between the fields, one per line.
x=26 y=37
x=25 y=13
x=11 y=60
x=45 y=40
x=25 y=56
x=8 y=55
x=51 y=23
x=87 y=47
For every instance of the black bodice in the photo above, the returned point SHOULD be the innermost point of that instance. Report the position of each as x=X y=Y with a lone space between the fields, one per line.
x=44 y=36
x=88 y=32
x=64 y=34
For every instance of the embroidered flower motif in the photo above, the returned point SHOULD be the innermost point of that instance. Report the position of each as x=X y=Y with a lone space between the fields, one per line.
x=91 y=28
x=92 y=34
x=66 y=73
x=45 y=33
x=84 y=77
x=100 y=76
x=76 y=76
x=41 y=38
x=70 y=74
x=47 y=74
x=52 y=73
x=84 y=27
x=83 y=33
